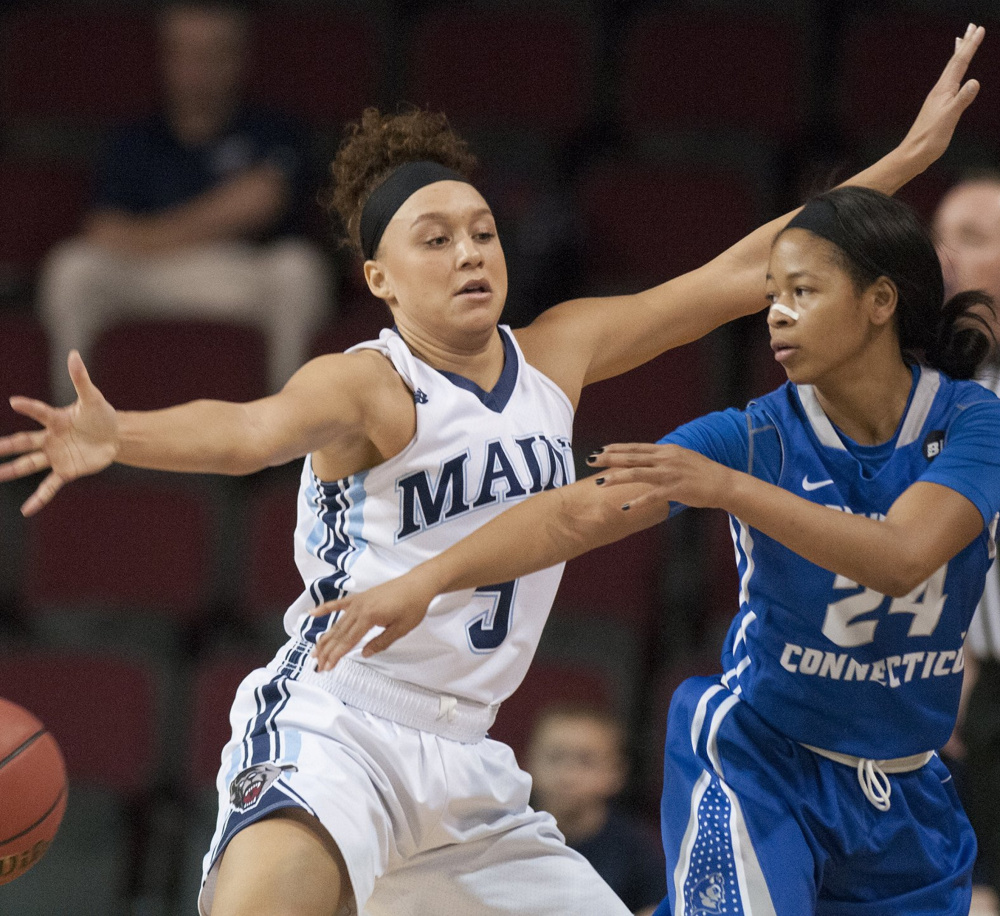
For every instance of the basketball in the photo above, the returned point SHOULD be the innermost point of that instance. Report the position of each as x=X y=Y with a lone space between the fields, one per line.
x=33 y=788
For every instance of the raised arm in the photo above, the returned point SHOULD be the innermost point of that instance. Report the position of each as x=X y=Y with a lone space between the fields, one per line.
x=214 y=437
x=587 y=340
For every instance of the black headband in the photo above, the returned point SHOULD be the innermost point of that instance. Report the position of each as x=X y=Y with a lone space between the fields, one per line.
x=389 y=196
x=819 y=217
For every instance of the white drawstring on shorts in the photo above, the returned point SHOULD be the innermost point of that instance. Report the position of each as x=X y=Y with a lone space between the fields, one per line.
x=872 y=773
x=447 y=707
x=874 y=783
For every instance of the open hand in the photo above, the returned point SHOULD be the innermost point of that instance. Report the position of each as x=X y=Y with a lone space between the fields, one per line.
x=676 y=474
x=398 y=606
x=935 y=123
x=75 y=441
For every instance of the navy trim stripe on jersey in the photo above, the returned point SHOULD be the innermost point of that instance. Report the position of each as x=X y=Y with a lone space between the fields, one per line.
x=337 y=510
x=497 y=398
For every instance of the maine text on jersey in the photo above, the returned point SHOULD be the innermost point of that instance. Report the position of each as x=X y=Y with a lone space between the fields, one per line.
x=537 y=463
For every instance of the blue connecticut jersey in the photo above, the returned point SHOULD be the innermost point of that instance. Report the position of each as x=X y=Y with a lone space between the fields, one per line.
x=824 y=660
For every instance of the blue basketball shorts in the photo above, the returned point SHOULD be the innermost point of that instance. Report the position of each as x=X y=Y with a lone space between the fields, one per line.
x=755 y=824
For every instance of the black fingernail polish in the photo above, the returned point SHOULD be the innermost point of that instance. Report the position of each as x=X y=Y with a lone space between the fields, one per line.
x=599 y=481
x=626 y=507
x=591 y=459
x=597 y=451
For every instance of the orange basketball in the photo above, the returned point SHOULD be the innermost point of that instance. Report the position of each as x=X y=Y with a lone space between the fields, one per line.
x=33 y=789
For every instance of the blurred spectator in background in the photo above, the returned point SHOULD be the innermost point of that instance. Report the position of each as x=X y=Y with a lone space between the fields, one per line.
x=577 y=762
x=967 y=226
x=196 y=209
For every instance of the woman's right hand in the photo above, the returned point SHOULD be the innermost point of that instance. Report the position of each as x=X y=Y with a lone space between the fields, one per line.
x=75 y=441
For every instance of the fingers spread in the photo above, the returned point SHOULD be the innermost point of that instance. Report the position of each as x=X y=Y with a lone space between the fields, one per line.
x=24 y=466
x=340 y=639
x=43 y=495
x=38 y=411
x=79 y=376
x=380 y=643
x=19 y=443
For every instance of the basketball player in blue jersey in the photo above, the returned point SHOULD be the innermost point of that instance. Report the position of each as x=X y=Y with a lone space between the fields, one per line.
x=372 y=787
x=863 y=497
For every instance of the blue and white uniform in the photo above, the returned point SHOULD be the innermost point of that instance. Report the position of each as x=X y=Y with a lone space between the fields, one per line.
x=760 y=813
x=390 y=752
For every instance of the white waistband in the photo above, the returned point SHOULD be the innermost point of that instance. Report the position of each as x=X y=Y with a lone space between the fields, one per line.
x=362 y=687
x=871 y=773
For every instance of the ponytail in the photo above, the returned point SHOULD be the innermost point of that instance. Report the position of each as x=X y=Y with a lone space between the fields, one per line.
x=964 y=337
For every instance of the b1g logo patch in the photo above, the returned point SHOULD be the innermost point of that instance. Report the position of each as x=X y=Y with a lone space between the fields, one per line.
x=933 y=444
x=249 y=785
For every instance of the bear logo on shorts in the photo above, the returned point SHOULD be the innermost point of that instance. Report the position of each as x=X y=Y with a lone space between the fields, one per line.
x=249 y=785
x=708 y=896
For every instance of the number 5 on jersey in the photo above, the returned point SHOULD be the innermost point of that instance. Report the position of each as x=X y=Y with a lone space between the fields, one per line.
x=487 y=630
x=925 y=603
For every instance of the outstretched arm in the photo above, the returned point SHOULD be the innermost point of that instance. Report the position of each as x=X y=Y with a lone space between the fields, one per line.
x=587 y=340
x=214 y=437
x=892 y=556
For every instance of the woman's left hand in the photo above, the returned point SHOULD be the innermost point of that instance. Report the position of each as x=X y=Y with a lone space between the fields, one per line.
x=676 y=474
x=397 y=605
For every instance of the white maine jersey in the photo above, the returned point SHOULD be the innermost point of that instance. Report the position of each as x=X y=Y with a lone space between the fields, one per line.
x=474 y=454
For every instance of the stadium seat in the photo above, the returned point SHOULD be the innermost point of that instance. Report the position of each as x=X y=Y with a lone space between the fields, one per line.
x=704 y=70
x=546 y=683
x=24 y=366
x=538 y=76
x=43 y=203
x=646 y=222
x=212 y=691
x=882 y=84
x=85 y=66
x=102 y=710
x=323 y=65
x=272 y=580
x=114 y=548
x=145 y=364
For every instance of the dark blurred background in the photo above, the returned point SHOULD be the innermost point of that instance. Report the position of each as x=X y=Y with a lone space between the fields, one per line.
x=620 y=143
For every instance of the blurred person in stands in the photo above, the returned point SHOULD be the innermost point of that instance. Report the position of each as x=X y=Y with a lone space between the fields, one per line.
x=196 y=210
x=967 y=228
x=578 y=765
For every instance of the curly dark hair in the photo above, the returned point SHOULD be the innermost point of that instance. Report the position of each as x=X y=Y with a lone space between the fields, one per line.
x=379 y=143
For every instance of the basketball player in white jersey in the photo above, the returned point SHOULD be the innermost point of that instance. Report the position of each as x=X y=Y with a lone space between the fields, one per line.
x=373 y=788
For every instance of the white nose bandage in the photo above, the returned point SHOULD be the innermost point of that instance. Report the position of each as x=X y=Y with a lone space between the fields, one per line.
x=784 y=310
